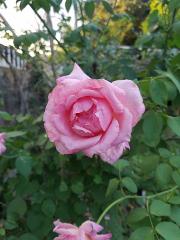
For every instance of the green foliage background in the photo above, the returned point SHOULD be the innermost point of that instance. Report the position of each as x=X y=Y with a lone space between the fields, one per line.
x=38 y=185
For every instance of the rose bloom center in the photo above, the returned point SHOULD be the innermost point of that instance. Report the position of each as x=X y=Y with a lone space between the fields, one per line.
x=85 y=117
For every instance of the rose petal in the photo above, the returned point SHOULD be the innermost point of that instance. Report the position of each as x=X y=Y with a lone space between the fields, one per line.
x=57 y=123
x=58 y=223
x=111 y=93
x=112 y=154
x=132 y=99
x=125 y=127
x=2 y=148
x=2 y=143
x=82 y=105
x=103 y=113
x=90 y=226
x=107 y=139
x=76 y=74
x=115 y=140
x=74 y=143
x=65 y=228
x=107 y=236
x=59 y=131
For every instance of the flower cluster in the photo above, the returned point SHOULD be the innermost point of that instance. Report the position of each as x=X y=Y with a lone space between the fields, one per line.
x=87 y=231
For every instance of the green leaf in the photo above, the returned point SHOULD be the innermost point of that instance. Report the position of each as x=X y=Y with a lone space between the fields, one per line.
x=97 y=179
x=174 y=4
x=18 y=205
x=159 y=208
x=21 y=118
x=34 y=220
x=164 y=153
x=107 y=6
x=5 y=116
x=121 y=164
x=163 y=174
x=171 y=89
x=119 y=16
x=174 y=200
x=77 y=187
x=48 y=207
x=144 y=41
x=129 y=184
x=56 y=5
x=176 y=177
x=42 y=4
x=68 y=4
x=15 y=134
x=24 y=165
x=175 y=215
x=175 y=33
x=152 y=121
x=38 y=119
x=143 y=233
x=175 y=161
x=19 y=40
x=146 y=163
x=137 y=215
x=2 y=232
x=168 y=230
x=172 y=77
x=12 y=238
x=10 y=222
x=27 y=39
x=63 y=187
x=24 y=3
x=28 y=236
x=112 y=186
x=89 y=8
x=174 y=124
x=158 y=92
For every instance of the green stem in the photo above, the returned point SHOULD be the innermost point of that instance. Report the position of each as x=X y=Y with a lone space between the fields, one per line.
x=168 y=32
x=133 y=197
x=150 y=219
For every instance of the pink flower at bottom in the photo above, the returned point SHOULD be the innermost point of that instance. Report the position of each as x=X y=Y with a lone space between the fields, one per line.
x=87 y=231
x=2 y=143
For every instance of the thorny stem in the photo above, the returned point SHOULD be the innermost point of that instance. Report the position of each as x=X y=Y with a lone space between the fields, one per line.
x=133 y=197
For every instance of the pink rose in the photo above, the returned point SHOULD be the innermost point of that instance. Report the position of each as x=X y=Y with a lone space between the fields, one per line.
x=92 y=116
x=2 y=143
x=87 y=231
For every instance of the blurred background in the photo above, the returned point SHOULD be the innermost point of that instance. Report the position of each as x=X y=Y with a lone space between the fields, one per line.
x=115 y=39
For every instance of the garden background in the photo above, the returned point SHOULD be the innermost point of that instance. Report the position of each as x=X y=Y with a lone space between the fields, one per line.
x=116 y=39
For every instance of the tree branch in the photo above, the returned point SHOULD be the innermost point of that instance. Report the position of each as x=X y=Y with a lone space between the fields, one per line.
x=51 y=33
x=49 y=23
x=8 y=25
